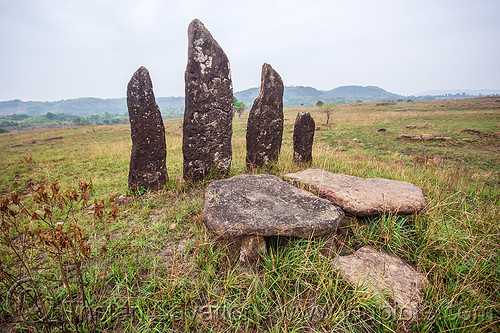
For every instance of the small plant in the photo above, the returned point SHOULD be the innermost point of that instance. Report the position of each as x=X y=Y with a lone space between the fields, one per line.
x=44 y=252
x=327 y=109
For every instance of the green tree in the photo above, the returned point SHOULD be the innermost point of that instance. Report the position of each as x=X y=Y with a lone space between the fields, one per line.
x=327 y=109
x=50 y=116
x=78 y=120
x=238 y=107
x=319 y=103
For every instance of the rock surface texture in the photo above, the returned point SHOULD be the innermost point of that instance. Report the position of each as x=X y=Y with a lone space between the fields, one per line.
x=385 y=275
x=265 y=121
x=411 y=137
x=303 y=137
x=147 y=161
x=362 y=196
x=265 y=205
x=427 y=137
x=252 y=248
x=207 y=128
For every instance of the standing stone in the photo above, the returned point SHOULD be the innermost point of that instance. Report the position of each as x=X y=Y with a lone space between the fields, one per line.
x=147 y=162
x=303 y=136
x=207 y=129
x=265 y=122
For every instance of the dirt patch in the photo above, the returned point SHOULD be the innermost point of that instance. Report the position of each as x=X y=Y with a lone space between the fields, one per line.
x=35 y=141
x=491 y=134
x=470 y=131
x=427 y=137
x=54 y=138
x=176 y=257
x=486 y=175
x=417 y=126
x=410 y=137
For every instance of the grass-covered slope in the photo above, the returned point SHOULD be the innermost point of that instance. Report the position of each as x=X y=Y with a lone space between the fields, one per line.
x=76 y=261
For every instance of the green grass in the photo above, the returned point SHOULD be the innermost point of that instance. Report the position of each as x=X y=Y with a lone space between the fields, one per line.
x=157 y=268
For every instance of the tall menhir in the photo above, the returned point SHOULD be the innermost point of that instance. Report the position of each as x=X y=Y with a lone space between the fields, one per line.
x=208 y=116
x=148 y=168
x=265 y=121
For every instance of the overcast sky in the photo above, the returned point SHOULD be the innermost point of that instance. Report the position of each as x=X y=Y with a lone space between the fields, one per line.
x=61 y=49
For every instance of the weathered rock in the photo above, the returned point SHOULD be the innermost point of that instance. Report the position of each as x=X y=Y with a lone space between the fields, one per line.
x=148 y=158
x=427 y=137
x=411 y=137
x=251 y=250
x=265 y=121
x=303 y=137
x=265 y=205
x=491 y=134
x=123 y=200
x=417 y=126
x=470 y=131
x=207 y=128
x=385 y=275
x=362 y=196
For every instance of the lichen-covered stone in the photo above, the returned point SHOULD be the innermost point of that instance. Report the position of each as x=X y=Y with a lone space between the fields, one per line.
x=265 y=205
x=148 y=158
x=265 y=121
x=386 y=276
x=303 y=137
x=362 y=196
x=208 y=115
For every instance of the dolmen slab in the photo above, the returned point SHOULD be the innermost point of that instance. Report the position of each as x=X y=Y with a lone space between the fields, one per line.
x=362 y=196
x=264 y=205
x=388 y=277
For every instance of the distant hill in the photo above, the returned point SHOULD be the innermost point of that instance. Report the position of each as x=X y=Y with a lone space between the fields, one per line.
x=299 y=95
x=173 y=107
x=468 y=92
x=82 y=106
x=77 y=106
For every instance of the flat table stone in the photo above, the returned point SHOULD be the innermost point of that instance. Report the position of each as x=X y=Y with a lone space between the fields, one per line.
x=265 y=205
x=362 y=196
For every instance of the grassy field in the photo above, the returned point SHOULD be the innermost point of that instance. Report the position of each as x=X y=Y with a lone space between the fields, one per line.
x=73 y=259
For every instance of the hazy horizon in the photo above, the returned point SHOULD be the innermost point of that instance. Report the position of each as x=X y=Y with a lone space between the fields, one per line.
x=437 y=92
x=54 y=50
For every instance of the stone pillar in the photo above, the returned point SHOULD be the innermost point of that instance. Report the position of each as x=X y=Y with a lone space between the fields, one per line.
x=148 y=168
x=303 y=137
x=208 y=117
x=265 y=122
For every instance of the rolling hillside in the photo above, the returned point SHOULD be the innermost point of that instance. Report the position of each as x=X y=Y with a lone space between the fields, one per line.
x=294 y=96
x=81 y=106
x=308 y=96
